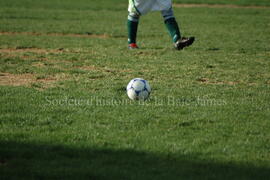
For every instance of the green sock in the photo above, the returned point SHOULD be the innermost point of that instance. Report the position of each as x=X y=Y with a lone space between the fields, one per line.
x=173 y=29
x=132 y=31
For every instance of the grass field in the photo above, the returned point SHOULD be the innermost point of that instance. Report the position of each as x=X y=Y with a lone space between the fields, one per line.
x=64 y=112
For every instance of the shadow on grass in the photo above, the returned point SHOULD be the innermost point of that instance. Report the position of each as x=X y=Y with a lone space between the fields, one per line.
x=43 y=161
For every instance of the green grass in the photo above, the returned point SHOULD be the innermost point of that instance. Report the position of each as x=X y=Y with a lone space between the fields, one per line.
x=207 y=118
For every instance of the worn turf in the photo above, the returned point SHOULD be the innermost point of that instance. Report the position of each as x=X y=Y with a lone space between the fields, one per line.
x=64 y=112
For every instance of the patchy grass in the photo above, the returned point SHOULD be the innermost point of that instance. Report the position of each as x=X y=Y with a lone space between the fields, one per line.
x=64 y=113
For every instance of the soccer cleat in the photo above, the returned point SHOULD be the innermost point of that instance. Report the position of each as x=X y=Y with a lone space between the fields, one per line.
x=183 y=42
x=133 y=46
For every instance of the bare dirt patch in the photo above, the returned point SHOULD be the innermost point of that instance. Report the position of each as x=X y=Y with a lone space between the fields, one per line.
x=86 y=35
x=208 y=81
x=7 y=79
x=29 y=49
x=38 y=64
x=27 y=79
x=219 y=6
x=103 y=69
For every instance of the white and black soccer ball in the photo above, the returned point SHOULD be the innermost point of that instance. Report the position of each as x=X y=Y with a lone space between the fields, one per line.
x=138 y=89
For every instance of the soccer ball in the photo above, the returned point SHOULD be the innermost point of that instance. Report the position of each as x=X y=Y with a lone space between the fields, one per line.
x=138 y=89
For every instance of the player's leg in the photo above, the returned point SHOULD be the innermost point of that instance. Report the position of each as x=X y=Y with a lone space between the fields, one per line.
x=174 y=31
x=171 y=24
x=132 y=26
